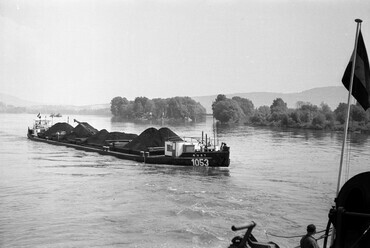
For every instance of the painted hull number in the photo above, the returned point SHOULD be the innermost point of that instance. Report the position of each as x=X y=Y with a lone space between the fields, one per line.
x=200 y=162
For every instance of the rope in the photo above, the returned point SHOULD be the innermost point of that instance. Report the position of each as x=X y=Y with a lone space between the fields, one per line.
x=363 y=235
x=294 y=236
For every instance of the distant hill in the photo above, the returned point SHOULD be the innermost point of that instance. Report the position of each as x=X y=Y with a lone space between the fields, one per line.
x=332 y=95
x=71 y=109
x=15 y=101
x=36 y=107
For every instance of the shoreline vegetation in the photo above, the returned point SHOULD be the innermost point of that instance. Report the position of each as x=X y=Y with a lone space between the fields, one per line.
x=170 y=109
x=227 y=111
x=304 y=116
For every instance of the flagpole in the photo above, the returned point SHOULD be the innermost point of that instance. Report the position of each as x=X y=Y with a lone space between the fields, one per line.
x=347 y=118
x=348 y=103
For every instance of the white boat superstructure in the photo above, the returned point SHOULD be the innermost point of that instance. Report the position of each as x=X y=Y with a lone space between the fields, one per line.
x=39 y=126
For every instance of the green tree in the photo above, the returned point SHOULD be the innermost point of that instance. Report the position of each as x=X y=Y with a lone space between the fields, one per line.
x=278 y=110
x=307 y=112
x=173 y=109
x=278 y=106
x=358 y=113
x=261 y=115
x=319 y=121
x=149 y=107
x=341 y=112
x=246 y=105
x=220 y=98
x=295 y=116
x=227 y=110
x=192 y=109
x=326 y=110
x=116 y=105
x=160 y=108
x=129 y=112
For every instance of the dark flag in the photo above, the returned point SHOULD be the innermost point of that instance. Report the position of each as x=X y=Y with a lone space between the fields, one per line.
x=361 y=78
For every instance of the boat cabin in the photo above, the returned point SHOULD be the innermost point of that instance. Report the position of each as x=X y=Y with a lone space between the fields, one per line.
x=39 y=126
x=176 y=148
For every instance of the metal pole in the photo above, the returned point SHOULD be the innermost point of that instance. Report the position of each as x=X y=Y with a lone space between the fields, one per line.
x=214 y=133
x=347 y=120
x=348 y=103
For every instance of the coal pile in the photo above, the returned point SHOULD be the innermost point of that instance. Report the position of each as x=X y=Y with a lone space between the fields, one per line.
x=121 y=136
x=152 y=137
x=82 y=130
x=168 y=134
x=60 y=127
x=101 y=137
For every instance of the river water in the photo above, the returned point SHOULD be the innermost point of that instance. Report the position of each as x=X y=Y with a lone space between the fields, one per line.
x=53 y=196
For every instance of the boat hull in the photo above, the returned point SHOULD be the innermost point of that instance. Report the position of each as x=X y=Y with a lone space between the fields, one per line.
x=197 y=159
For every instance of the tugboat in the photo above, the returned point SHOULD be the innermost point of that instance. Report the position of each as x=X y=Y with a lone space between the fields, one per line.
x=40 y=126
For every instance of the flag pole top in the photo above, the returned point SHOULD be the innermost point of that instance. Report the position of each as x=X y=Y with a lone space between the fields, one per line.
x=358 y=20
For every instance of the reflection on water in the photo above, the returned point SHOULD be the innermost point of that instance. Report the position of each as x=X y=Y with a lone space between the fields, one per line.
x=358 y=139
x=183 y=170
x=53 y=196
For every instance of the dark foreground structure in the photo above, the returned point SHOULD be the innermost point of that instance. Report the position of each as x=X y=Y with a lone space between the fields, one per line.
x=350 y=217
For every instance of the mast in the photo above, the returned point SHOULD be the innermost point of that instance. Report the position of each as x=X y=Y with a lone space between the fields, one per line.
x=359 y=21
x=358 y=29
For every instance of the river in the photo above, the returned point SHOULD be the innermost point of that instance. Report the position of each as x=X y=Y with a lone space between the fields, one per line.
x=53 y=196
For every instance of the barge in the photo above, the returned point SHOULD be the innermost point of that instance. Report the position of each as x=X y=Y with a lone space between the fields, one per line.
x=152 y=146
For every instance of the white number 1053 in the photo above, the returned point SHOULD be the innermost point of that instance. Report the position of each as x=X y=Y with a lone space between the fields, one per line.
x=200 y=162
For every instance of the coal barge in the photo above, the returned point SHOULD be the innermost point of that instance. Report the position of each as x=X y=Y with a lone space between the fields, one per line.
x=152 y=146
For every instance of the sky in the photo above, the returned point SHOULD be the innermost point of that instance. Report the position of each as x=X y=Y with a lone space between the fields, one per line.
x=81 y=52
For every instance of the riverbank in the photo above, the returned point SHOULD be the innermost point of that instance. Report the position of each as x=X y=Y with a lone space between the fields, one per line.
x=335 y=127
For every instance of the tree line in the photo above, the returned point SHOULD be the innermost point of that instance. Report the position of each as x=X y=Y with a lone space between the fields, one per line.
x=305 y=115
x=176 y=108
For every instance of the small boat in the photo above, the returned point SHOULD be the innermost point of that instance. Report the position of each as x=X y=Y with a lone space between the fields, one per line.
x=152 y=146
x=52 y=115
